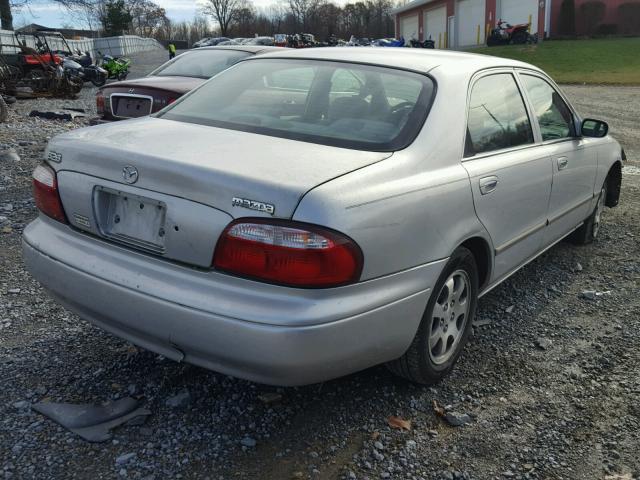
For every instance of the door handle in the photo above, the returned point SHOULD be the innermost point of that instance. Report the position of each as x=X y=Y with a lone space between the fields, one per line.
x=488 y=184
x=562 y=163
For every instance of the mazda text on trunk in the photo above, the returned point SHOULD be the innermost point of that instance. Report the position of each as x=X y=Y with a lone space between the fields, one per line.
x=308 y=214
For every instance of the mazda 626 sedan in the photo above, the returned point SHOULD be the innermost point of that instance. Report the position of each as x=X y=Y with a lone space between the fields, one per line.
x=307 y=214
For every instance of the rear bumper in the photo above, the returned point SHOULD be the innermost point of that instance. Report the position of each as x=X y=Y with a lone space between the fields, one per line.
x=260 y=332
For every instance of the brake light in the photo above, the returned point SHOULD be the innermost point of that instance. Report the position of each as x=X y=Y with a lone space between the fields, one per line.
x=45 y=193
x=288 y=253
x=100 y=103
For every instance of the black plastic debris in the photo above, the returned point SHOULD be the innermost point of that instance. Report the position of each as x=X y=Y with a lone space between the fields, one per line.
x=92 y=422
x=68 y=115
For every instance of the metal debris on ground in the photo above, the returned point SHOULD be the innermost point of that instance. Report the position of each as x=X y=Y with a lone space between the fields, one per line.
x=92 y=422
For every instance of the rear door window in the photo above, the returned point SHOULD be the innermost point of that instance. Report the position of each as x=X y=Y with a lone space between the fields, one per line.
x=553 y=114
x=497 y=117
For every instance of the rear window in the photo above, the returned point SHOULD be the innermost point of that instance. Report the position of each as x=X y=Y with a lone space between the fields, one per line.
x=200 y=64
x=332 y=103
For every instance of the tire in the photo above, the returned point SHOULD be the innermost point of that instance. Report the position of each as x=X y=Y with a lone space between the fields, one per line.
x=589 y=230
x=439 y=341
x=123 y=75
x=520 y=37
x=99 y=81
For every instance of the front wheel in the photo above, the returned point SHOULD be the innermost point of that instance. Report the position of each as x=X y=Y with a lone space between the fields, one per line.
x=123 y=75
x=446 y=323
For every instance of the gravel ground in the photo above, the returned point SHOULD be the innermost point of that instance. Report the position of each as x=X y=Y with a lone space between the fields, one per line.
x=549 y=380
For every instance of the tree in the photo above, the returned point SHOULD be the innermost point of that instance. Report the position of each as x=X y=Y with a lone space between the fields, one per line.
x=147 y=17
x=6 y=18
x=302 y=10
x=115 y=18
x=222 y=11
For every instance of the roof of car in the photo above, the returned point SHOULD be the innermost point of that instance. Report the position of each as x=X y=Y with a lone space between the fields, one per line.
x=241 y=48
x=419 y=59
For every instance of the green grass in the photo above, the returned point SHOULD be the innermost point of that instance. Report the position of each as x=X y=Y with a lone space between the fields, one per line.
x=596 y=61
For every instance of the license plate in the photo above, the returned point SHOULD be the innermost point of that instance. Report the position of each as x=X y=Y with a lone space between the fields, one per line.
x=132 y=219
x=131 y=106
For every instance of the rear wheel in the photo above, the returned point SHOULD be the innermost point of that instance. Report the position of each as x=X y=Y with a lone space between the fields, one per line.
x=445 y=325
x=99 y=80
x=589 y=230
x=520 y=37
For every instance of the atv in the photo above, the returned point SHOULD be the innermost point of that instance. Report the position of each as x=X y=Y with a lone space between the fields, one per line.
x=506 y=34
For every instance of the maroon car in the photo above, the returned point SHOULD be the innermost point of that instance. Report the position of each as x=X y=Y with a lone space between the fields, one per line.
x=142 y=96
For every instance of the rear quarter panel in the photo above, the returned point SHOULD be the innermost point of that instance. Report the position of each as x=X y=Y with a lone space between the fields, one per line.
x=413 y=208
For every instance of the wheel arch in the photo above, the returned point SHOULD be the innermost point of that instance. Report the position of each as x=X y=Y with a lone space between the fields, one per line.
x=481 y=251
x=614 y=183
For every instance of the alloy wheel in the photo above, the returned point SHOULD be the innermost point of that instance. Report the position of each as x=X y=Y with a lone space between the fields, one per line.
x=449 y=319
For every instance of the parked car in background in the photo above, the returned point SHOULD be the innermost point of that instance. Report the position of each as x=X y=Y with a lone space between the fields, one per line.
x=307 y=214
x=200 y=42
x=212 y=42
x=266 y=41
x=233 y=41
x=163 y=86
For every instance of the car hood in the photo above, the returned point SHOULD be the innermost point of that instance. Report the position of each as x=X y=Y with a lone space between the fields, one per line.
x=172 y=83
x=206 y=164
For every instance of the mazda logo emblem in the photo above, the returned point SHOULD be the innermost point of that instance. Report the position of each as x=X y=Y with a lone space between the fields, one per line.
x=130 y=174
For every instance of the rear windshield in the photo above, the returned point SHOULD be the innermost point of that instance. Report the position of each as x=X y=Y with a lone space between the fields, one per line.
x=200 y=63
x=333 y=103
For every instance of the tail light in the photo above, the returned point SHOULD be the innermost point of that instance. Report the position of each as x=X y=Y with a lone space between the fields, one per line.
x=100 y=103
x=288 y=253
x=45 y=193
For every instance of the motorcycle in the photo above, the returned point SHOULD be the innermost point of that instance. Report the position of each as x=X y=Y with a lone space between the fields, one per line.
x=389 y=42
x=91 y=72
x=426 y=44
x=116 y=67
x=505 y=34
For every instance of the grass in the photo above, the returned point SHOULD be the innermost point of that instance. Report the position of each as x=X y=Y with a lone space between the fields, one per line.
x=610 y=61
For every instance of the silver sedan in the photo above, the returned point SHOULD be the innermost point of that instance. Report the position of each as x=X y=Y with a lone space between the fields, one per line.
x=307 y=214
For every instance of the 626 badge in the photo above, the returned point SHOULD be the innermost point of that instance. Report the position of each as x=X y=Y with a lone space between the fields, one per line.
x=253 y=205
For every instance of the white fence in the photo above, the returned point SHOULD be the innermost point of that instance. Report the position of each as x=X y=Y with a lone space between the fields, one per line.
x=124 y=45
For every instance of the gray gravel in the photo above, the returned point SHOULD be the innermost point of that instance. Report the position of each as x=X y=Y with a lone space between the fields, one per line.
x=547 y=388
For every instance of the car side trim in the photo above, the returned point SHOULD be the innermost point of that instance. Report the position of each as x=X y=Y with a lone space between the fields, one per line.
x=517 y=239
x=566 y=211
x=529 y=260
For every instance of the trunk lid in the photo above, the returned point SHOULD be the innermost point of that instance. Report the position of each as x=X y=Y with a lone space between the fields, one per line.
x=182 y=168
x=179 y=85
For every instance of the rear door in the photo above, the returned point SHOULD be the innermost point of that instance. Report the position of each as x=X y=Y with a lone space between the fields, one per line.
x=510 y=176
x=573 y=158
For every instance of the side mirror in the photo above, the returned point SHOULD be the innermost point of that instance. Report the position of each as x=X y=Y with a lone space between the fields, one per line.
x=594 y=128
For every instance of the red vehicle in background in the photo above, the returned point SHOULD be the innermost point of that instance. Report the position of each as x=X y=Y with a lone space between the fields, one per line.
x=505 y=34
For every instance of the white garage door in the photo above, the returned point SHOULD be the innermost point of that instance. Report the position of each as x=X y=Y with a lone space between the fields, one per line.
x=435 y=25
x=409 y=27
x=518 y=11
x=470 y=20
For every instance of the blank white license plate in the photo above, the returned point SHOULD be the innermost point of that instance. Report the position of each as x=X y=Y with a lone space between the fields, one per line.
x=133 y=219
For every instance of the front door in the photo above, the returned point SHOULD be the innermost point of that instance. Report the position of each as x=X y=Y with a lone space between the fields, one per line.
x=510 y=176
x=573 y=158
